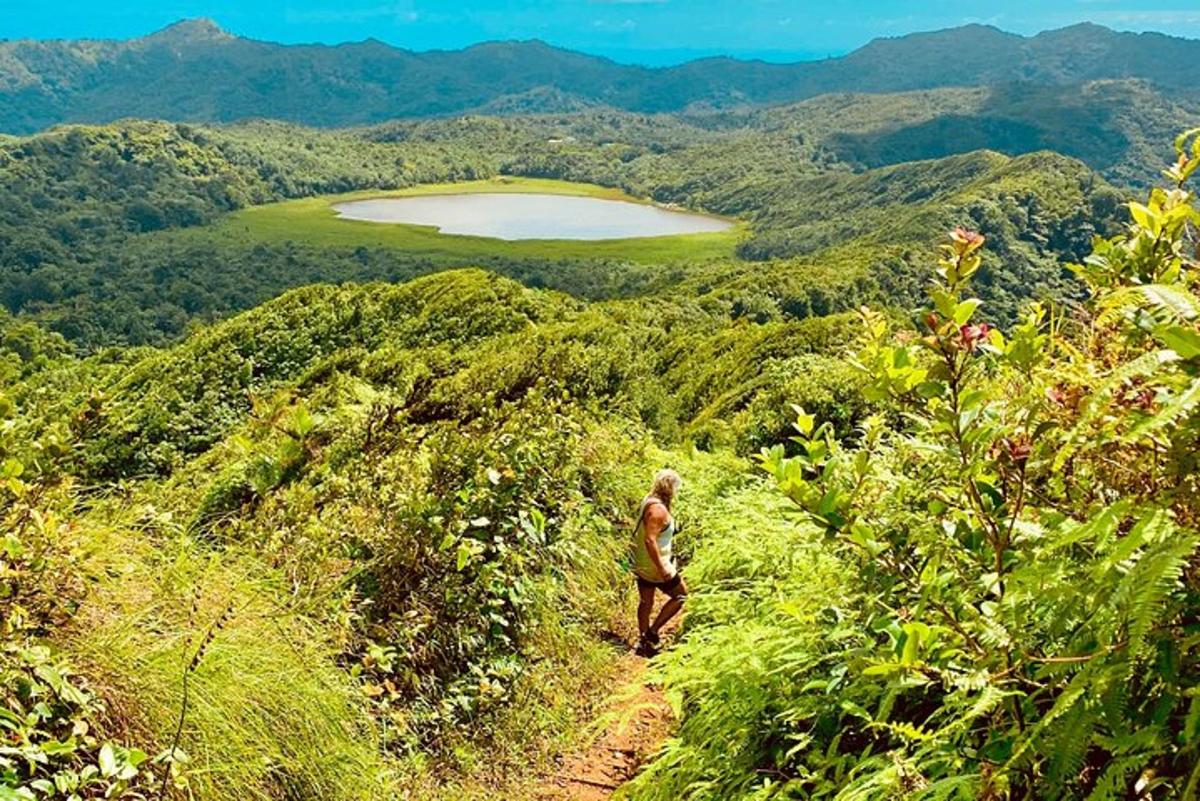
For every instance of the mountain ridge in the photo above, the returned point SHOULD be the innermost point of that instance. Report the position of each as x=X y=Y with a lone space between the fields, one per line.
x=203 y=73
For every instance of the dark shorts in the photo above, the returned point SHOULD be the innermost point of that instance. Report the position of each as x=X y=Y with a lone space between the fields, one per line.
x=669 y=586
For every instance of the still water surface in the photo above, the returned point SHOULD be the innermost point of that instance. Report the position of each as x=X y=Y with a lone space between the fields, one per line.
x=530 y=216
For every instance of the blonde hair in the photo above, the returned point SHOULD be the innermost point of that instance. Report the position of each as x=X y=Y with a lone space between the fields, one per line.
x=666 y=483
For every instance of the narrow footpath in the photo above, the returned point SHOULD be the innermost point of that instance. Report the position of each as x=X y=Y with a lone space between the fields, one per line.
x=635 y=721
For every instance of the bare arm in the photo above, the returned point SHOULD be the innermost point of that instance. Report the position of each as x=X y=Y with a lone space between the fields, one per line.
x=655 y=521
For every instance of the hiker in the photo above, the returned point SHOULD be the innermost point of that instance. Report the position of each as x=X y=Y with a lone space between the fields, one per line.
x=653 y=565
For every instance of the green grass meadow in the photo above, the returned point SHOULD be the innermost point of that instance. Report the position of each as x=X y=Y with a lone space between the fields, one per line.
x=313 y=221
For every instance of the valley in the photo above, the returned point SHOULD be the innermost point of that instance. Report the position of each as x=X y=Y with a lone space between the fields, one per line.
x=175 y=243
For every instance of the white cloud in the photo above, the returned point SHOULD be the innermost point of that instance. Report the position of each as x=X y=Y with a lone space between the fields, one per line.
x=401 y=12
x=609 y=25
x=1163 y=18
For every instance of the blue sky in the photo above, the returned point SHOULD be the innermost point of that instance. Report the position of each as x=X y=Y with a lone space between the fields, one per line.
x=650 y=31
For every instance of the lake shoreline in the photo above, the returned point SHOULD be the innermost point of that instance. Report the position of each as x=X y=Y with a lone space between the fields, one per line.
x=530 y=216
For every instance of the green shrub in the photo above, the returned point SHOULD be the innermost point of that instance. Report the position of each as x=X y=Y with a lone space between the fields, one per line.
x=1020 y=529
x=50 y=721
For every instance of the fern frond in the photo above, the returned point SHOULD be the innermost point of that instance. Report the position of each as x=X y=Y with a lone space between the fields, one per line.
x=1096 y=531
x=1114 y=702
x=1070 y=743
x=1180 y=405
x=1191 y=724
x=1075 y=690
x=963 y=786
x=1165 y=303
x=990 y=698
x=1174 y=300
x=1114 y=782
x=1144 y=366
x=1153 y=526
x=905 y=731
x=1192 y=788
x=877 y=777
x=1148 y=585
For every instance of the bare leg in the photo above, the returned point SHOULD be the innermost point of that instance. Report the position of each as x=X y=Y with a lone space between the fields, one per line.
x=671 y=607
x=645 y=607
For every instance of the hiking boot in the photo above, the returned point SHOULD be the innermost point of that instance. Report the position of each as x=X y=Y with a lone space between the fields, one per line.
x=651 y=636
x=645 y=648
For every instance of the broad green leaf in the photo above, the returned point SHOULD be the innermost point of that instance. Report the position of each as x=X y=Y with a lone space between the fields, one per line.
x=107 y=761
x=1184 y=341
x=964 y=311
x=1144 y=217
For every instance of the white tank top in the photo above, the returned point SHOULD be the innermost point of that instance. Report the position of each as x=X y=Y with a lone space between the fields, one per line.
x=643 y=565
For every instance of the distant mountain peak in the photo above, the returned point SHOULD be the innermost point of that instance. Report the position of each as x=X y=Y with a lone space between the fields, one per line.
x=517 y=46
x=970 y=35
x=980 y=27
x=1080 y=30
x=199 y=29
x=1088 y=26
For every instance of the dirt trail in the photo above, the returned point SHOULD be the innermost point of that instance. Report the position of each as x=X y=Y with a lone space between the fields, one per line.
x=638 y=719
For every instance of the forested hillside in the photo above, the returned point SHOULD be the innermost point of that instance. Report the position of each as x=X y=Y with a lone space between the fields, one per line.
x=203 y=74
x=94 y=245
